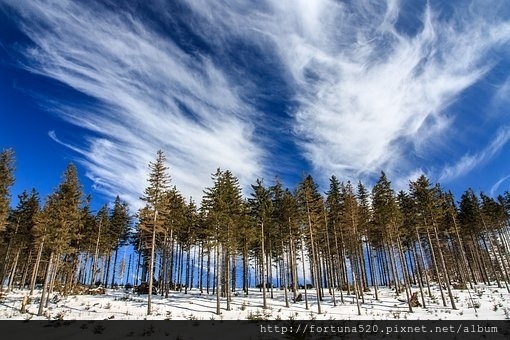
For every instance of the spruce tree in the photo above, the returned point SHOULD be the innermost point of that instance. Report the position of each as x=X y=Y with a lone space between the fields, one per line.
x=284 y=217
x=261 y=209
x=6 y=182
x=351 y=238
x=334 y=211
x=120 y=223
x=471 y=230
x=61 y=220
x=101 y=243
x=493 y=220
x=154 y=194
x=429 y=207
x=387 y=219
x=18 y=235
x=311 y=206
x=224 y=208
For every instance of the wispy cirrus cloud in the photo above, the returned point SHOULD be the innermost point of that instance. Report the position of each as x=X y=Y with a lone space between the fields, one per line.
x=372 y=93
x=367 y=86
x=469 y=161
x=150 y=94
x=495 y=186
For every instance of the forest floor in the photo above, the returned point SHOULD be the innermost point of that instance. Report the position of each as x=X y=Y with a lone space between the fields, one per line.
x=481 y=303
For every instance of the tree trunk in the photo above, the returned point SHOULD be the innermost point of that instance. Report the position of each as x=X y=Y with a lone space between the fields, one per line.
x=330 y=260
x=373 y=273
x=443 y=264
x=355 y=285
x=208 y=267
x=439 y=281
x=45 y=284
x=420 y=280
x=314 y=260
x=422 y=256
x=151 y=264
x=96 y=257
x=56 y=264
x=284 y=276
x=13 y=271
x=217 y=279
x=188 y=259
x=270 y=267
x=263 y=257
x=33 y=279
x=304 y=271
x=163 y=282
x=201 y=269
x=26 y=266
x=114 y=266
x=405 y=273
x=341 y=262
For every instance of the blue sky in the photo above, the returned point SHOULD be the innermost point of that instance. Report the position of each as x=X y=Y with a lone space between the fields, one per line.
x=264 y=89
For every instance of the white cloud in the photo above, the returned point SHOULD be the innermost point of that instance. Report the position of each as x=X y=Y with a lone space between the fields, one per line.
x=369 y=93
x=366 y=93
x=373 y=100
x=469 y=161
x=143 y=81
x=494 y=189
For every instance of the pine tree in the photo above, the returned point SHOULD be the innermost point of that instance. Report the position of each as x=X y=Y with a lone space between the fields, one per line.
x=411 y=238
x=224 y=208
x=334 y=211
x=188 y=237
x=284 y=216
x=18 y=236
x=311 y=205
x=6 y=181
x=261 y=209
x=365 y=220
x=459 y=243
x=384 y=227
x=101 y=243
x=350 y=222
x=87 y=243
x=61 y=217
x=159 y=181
x=471 y=230
x=174 y=224
x=120 y=223
x=493 y=220
x=429 y=206
x=387 y=219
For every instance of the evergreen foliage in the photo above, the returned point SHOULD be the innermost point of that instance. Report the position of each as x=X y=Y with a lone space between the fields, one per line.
x=350 y=240
x=6 y=182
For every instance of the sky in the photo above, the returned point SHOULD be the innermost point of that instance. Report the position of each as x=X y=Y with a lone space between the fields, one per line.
x=265 y=89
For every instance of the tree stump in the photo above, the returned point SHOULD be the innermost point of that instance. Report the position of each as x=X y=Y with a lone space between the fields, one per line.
x=24 y=303
x=414 y=300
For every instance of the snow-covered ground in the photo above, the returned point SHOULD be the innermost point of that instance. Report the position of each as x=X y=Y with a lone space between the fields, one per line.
x=491 y=302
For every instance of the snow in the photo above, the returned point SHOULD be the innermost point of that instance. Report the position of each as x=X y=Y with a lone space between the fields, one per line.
x=492 y=303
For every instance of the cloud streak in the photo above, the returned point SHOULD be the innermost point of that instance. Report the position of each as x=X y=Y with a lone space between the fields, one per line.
x=372 y=93
x=364 y=92
x=151 y=95
x=371 y=96
x=469 y=161
x=495 y=186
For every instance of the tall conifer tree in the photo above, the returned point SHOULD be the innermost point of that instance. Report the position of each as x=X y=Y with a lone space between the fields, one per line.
x=261 y=208
x=6 y=182
x=310 y=202
x=154 y=193
x=61 y=218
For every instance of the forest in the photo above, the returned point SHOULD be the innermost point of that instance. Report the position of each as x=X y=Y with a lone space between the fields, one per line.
x=347 y=240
